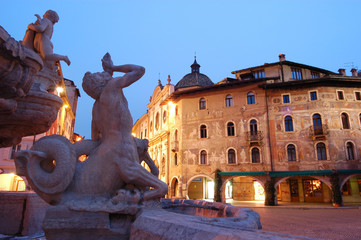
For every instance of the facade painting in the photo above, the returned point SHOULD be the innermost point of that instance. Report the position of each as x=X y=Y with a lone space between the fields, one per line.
x=287 y=121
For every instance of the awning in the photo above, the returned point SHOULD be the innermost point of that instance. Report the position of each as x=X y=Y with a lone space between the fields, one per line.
x=292 y=173
x=242 y=173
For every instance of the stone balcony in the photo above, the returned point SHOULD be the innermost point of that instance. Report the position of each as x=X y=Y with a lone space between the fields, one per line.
x=254 y=138
x=319 y=133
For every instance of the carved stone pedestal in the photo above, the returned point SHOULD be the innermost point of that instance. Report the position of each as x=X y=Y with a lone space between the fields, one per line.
x=60 y=223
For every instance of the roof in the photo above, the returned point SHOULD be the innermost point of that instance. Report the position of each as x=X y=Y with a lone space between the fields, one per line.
x=194 y=79
x=289 y=63
x=335 y=80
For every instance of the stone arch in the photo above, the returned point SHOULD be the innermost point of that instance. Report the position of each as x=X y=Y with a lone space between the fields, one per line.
x=174 y=187
x=200 y=186
x=344 y=180
x=224 y=183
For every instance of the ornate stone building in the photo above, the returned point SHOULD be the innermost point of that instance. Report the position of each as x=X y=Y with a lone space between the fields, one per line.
x=289 y=125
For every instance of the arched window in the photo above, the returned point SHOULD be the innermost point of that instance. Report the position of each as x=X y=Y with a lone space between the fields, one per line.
x=317 y=123
x=255 y=155
x=253 y=127
x=350 y=151
x=291 y=152
x=230 y=129
x=157 y=121
x=345 y=121
x=176 y=135
x=231 y=156
x=251 y=98
x=175 y=159
x=203 y=131
x=164 y=116
x=229 y=101
x=203 y=157
x=321 y=151
x=202 y=104
x=288 y=124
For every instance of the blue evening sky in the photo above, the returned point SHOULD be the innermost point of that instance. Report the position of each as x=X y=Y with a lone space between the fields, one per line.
x=163 y=36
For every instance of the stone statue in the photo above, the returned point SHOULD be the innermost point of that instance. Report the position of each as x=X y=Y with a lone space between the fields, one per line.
x=38 y=37
x=111 y=179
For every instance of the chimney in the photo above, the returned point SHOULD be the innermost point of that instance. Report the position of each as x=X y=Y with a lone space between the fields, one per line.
x=342 y=71
x=282 y=57
x=354 y=72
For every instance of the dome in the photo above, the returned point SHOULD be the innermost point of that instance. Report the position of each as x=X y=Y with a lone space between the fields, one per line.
x=194 y=79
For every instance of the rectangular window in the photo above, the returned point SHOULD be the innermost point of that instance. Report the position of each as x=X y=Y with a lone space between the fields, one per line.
x=315 y=75
x=296 y=73
x=259 y=74
x=313 y=95
x=286 y=98
x=358 y=96
x=340 y=95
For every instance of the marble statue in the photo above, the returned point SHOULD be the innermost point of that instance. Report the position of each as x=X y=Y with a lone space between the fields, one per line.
x=111 y=179
x=38 y=36
x=28 y=76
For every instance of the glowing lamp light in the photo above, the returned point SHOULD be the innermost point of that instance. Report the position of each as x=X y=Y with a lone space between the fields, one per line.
x=133 y=134
x=66 y=106
x=60 y=89
x=170 y=103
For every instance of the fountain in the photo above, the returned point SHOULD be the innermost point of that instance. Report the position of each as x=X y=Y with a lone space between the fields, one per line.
x=109 y=195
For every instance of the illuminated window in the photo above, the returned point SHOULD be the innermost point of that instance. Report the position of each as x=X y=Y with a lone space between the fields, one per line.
x=203 y=131
x=255 y=155
x=230 y=129
x=202 y=104
x=286 y=98
x=313 y=95
x=231 y=156
x=251 y=98
x=296 y=73
x=291 y=152
x=350 y=151
x=321 y=151
x=345 y=121
x=203 y=157
x=229 y=101
x=288 y=124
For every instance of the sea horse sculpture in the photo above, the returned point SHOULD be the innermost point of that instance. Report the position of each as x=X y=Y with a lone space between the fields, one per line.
x=113 y=164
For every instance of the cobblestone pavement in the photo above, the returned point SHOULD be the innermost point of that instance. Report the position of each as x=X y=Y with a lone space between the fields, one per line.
x=318 y=221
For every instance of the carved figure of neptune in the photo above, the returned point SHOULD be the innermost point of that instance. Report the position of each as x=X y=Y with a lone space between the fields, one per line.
x=55 y=174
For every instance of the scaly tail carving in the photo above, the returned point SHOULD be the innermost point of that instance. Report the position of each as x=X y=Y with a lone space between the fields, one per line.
x=49 y=167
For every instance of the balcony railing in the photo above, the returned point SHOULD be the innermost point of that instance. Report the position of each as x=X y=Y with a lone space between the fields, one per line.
x=319 y=131
x=254 y=136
